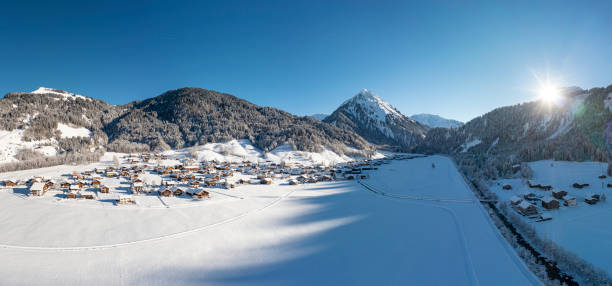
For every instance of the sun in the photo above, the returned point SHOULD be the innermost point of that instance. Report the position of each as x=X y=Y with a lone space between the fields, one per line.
x=549 y=93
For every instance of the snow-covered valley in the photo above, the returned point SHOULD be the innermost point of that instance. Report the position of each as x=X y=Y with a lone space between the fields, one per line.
x=583 y=228
x=266 y=234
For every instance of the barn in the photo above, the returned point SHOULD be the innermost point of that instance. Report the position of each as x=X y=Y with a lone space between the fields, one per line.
x=38 y=189
x=176 y=191
x=10 y=183
x=559 y=194
x=527 y=209
x=570 y=201
x=166 y=192
x=515 y=200
x=125 y=199
x=88 y=195
x=550 y=203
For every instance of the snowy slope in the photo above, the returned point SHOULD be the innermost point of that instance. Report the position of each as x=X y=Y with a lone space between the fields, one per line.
x=322 y=234
x=582 y=229
x=241 y=150
x=65 y=94
x=435 y=121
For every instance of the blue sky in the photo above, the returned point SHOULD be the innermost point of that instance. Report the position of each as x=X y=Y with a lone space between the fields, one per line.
x=457 y=59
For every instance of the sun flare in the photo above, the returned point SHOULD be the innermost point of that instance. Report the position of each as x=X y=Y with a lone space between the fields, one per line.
x=549 y=93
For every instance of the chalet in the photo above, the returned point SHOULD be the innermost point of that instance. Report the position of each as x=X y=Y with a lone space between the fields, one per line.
x=165 y=192
x=579 y=186
x=71 y=195
x=74 y=187
x=38 y=189
x=87 y=195
x=65 y=185
x=104 y=189
x=194 y=183
x=590 y=200
x=550 y=203
x=125 y=199
x=527 y=209
x=202 y=194
x=229 y=185
x=176 y=191
x=266 y=181
x=170 y=183
x=137 y=187
x=507 y=187
x=111 y=174
x=570 y=201
x=530 y=196
x=95 y=183
x=559 y=194
x=192 y=168
x=515 y=200
x=10 y=183
x=293 y=182
x=50 y=183
x=602 y=177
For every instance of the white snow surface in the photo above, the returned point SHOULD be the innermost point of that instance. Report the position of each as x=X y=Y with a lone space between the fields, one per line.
x=467 y=145
x=434 y=121
x=241 y=150
x=69 y=131
x=319 y=234
x=377 y=107
x=583 y=229
x=10 y=144
x=66 y=95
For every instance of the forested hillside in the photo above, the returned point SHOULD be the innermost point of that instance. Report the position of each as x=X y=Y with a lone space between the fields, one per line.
x=573 y=129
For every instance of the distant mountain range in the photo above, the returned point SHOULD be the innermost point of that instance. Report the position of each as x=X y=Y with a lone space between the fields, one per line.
x=176 y=119
x=435 y=121
x=319 y=116
x=56 y=121
x=378 y=122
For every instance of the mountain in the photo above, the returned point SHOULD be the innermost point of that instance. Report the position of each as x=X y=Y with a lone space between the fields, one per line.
x=577 y=127
x=189 y=116
x=53 y=122
x=435 y=121
x=319 y=116
x=378 y=122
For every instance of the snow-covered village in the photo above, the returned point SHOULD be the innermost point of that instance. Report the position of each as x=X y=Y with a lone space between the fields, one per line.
x=306 y=143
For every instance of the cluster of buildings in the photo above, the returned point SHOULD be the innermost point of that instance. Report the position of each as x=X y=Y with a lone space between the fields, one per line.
x=190 y=178
x=528 y=203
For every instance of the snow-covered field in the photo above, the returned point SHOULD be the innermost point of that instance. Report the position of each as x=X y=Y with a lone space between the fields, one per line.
x=325 y=233
x=241 y=150
x=582 y=229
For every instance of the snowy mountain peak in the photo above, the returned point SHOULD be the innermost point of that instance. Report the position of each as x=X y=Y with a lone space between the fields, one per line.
x=374 y=105
x=377 y=121
x=66 y=95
